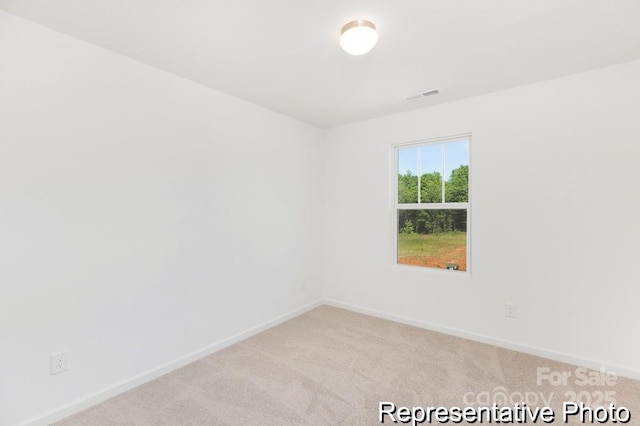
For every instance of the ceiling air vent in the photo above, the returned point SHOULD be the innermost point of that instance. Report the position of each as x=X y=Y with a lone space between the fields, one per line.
x=423 y=94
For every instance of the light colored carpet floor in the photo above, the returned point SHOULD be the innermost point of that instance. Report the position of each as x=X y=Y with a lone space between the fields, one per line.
x=333 y=367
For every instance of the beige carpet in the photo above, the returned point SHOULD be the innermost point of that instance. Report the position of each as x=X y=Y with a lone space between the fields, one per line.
x=333 y=367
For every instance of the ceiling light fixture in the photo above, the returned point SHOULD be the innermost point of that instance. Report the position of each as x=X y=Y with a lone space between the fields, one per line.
x=358 y=37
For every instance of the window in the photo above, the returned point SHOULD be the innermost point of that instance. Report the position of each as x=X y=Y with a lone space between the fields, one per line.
x=431 y=205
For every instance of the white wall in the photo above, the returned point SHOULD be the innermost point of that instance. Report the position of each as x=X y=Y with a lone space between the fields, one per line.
x=554 y=215
x=142 y=217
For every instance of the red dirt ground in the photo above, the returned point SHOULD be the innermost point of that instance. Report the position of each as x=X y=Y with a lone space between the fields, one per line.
x=459 y=256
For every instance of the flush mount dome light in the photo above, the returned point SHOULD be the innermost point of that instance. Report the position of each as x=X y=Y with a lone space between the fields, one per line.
x=358 y=37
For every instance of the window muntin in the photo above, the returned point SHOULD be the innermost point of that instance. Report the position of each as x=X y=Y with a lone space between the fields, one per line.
x=432 y=204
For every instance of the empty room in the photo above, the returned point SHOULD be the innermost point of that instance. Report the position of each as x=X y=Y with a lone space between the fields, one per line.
x=319 y=213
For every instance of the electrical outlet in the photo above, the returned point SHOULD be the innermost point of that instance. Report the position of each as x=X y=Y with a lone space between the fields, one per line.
x=511 y=310
x=59 y=362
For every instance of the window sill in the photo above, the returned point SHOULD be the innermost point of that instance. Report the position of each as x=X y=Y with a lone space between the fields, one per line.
x=442 y=272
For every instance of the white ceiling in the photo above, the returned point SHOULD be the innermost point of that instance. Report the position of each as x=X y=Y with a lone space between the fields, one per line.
x=284 y=54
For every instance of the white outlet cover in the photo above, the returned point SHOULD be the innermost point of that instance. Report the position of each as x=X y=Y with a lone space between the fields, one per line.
x=511 y=310
x=59 y=362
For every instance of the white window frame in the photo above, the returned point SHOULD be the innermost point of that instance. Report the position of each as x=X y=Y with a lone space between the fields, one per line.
x=427 y=206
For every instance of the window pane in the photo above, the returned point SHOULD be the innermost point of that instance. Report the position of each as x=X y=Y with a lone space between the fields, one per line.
x=408 y=175
x=431 y=174
x=433 y=238
x=457 y=172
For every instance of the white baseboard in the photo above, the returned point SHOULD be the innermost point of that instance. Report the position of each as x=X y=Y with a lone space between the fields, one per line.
x=118 y=388
x=518 y=347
